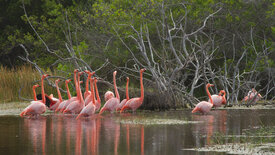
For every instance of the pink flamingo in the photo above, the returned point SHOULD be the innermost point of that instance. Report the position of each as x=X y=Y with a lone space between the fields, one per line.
x=97 y=101
x=204 y=106
x=123 y=102
x=135 y=103
x=36 y=107
x=71 y=99
x=108 y=95
x=61 y=105
x=60 y=100
x=34 y=93
x=251 y=96
x=111 y=104
x=218 y=100
x=89 y=98
x=90 y=108
x=87 y=92
x=76 y=106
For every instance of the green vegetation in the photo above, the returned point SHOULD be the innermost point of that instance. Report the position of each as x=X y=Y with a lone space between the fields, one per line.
x=96 y=31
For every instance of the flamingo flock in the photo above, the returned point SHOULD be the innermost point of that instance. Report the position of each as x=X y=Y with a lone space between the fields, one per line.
x=90 y=103
x=86 y=104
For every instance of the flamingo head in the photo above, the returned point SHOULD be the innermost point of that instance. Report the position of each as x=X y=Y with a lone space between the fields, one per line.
x=35 y=86
x=80 y=73
x=114 y=74
x=87 y=71
x=254 y=90
x=95 y=79
x=76 y=70
x=260 y=95
x=69 y=80
x=209 y=85
x=58 y=80
x=45 y=75
x=92 y=73
x=221 y=92
x=143 y=70
x=127 y=78
x=80 y=82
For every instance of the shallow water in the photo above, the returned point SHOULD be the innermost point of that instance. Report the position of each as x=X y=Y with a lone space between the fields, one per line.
x=172 y=132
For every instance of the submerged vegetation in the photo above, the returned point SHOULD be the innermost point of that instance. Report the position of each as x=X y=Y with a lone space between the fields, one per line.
x=257 y=140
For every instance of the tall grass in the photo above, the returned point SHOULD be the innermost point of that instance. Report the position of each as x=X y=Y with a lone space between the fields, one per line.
x=11 y=80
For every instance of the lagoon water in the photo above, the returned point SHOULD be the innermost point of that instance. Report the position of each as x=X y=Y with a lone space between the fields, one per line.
x=152 y=133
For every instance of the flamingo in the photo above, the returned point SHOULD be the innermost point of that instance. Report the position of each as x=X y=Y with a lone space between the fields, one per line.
x=204 y=106
x=36 y=107
x=34 y=93
x=135 y=103
x=61 y=105
x=123 y=102
x=111 y=104
x=90 y=108
x=251 y=96
x=76 y=106
x=97 y=101
x=87 y=92
x=218 y=100
x=71 y=99
x=89 y=98
x=60 y=100
x=108 y=95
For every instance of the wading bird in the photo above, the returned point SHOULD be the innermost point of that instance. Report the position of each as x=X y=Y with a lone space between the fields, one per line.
x=218 y=100
x=251 y=96
x=135 y=103
x=123 y=102
x=36 y=107
x=111 y=104
x=89 y=109
x=204 y=106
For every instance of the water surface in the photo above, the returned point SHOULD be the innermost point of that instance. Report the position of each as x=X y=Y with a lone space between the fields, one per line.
x=126 y=133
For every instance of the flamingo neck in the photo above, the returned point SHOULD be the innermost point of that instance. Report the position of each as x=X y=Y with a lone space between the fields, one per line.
x=34 y=93
x=92 y=91
x=224 y=99
x=209 y=95
x=141 y=87
x=42 y=91
x=127 y=93
x=97 y=94
x=117 y=94
x=68 y=91
x=76 y=85
x=58 y=92
x=87 y=82
x=79 y=92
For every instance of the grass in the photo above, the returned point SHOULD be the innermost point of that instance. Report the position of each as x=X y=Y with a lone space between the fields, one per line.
x=11 y=80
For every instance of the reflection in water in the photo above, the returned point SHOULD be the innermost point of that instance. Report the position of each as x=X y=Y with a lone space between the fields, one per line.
x=212 y=123
x=37 y=133
x=62 y=134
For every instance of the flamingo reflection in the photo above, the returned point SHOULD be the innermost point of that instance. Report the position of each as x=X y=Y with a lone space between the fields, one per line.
x=37 y=133
x=208 y=126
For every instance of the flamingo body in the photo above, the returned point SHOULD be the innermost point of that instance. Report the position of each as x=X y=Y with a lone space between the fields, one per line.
x=203 y=107
x=217 y=100
x=121 y=104
x=110 y=105
x=87 y=110
x=35 y=108
x=133 y=104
